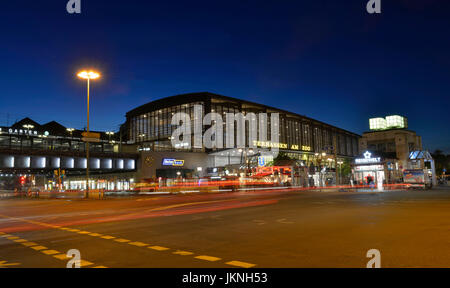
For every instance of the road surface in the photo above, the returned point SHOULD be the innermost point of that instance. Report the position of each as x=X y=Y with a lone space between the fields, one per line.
x=247 y=229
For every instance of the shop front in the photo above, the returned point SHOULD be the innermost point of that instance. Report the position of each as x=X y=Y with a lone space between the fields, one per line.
x=373 y=169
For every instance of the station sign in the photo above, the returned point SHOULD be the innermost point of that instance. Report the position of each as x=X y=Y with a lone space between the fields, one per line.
x=269 y=144
x=90 y=140
x=91 y=135
x=22 y=132
x=173 y=162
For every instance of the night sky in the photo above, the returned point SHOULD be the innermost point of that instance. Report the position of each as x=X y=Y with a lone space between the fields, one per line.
x=329 y=60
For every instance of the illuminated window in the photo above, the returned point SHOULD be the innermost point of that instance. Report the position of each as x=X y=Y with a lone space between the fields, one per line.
x=395 y=121
x=377 y=123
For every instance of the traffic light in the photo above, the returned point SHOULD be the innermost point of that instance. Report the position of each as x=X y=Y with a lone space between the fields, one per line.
x=22 y=180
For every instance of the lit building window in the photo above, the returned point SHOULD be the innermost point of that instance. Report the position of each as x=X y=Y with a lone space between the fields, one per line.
x=377 y=123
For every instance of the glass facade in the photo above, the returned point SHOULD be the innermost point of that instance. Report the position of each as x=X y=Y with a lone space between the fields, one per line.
x=54 y=144
x=151 y=128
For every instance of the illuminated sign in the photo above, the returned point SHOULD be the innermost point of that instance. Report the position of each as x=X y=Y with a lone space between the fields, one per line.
x=267 y=144
x=368 y=159
x=261 y=161
x=369 y=168
x=173 y=162
x=23 y=132
x=306 y=148
x=390 y=122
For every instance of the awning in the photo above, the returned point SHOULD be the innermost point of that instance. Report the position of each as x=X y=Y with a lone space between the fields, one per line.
x=418 y=155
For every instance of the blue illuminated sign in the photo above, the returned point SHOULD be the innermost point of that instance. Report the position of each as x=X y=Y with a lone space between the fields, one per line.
x=172 y=162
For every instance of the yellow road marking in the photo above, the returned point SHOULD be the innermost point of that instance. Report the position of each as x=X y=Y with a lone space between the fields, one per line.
x=6 y=264
x=99 y=267
x=183 y=253
x=108 y=237
x=37 y=248
x=84 y=263
x=28 y=244
x=50 y=252
x=61 y=257
x=139 y=244
x=241 y=264
x=20 y=240
x=158 y=248
x=208 y=258
x=121 y=240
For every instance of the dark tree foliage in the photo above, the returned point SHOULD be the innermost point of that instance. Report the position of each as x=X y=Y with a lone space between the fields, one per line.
x=442 y=161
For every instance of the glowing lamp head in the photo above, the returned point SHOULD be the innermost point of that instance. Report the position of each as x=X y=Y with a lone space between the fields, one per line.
x=88 y=75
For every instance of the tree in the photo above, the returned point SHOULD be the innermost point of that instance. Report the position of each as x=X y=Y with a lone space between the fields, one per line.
x=441 y=161
x=280 y=156
x=346 y=168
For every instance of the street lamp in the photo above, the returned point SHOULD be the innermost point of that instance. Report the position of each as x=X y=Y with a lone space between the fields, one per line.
x=340 y=170
x=70 y=130
x=88 y=75
x=109 y=133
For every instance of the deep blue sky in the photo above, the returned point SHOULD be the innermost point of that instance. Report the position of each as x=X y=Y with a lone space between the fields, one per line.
x=329 y=60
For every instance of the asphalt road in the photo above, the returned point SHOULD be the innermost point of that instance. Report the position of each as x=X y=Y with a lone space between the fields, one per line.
x=247 y=229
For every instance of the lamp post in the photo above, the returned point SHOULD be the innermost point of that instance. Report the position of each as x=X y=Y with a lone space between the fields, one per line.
x=88 y=75
x=70 y=130
x=340 y=171
x=109 y=133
